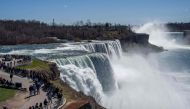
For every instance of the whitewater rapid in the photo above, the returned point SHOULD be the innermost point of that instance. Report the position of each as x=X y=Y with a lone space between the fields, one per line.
x=143 y=84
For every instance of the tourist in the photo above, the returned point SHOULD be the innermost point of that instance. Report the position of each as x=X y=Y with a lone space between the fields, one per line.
x=30 y=90
x=38 y=88
x=41 y=106
x=45 y=104
x=34 y=89
x=11 y=76
x=33 y=107
x=49 y=98
x=59 y=96
x=36 y=106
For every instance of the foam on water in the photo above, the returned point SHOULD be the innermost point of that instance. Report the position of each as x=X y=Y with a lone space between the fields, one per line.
x=81 y=79
x=143 y=86
x=98 y=63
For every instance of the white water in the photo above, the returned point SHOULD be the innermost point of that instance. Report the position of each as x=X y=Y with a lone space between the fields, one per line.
x=144 y=86
x=159 y=36
x=136 y=82
x=111 y=48
x=91 y=74
x=141 y=84
x=81 y=79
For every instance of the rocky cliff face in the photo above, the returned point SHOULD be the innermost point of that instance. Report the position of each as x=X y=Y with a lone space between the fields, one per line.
x=138 y=43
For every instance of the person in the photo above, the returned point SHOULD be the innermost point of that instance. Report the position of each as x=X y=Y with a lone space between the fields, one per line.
x=30 y=90
x=40 y=106
x=49 y=98
x=45 y=104
x=59 y=96
x=34 y=89
x=33 y=107
x=36 y=106
x=38 y=88
x=11 y=76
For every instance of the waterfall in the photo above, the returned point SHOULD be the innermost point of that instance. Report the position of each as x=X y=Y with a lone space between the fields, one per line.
x=130 y=82
x=90 y=73
x=111 y=48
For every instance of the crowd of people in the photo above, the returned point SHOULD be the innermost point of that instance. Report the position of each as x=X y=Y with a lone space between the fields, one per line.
x=51 y=92
x=9 y=84
x=34 y=89
x=4 y=82
x=41 y=105
x=40 y=81
x=22 y=72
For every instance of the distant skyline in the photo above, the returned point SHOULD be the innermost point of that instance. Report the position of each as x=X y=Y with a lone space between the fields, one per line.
x=114 y=11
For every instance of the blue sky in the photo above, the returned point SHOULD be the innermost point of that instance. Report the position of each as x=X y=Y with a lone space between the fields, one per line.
x=115 y=11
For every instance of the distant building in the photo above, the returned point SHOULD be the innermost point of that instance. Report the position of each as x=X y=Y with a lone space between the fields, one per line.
x=14 y=60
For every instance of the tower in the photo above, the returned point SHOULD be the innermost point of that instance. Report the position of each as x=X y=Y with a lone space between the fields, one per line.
x=53 y=24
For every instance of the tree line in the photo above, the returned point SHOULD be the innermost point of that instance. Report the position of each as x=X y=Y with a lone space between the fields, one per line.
x=178 y=26
x=32 y=31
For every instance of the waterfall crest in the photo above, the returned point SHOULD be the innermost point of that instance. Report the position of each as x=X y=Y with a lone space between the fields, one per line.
x=111 y=48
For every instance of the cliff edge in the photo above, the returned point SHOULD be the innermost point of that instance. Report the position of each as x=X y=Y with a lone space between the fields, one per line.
x=138 y=42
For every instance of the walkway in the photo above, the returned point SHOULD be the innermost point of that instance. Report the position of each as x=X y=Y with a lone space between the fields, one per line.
x=25 y=81
x=20 y=101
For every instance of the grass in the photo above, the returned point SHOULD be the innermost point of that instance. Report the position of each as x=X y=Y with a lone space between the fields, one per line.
x=36 y=65
x=6 y=94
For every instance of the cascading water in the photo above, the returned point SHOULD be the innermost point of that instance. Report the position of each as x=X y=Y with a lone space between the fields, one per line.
x=91 y=73
x=134 y=82
x=143 y=84
x=111 y=48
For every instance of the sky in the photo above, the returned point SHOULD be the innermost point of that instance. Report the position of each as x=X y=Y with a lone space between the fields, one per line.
x=114 y=11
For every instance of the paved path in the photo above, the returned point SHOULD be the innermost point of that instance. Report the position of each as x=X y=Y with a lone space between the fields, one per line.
x=25 y=81
x=36 y=99
x=20 y=101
